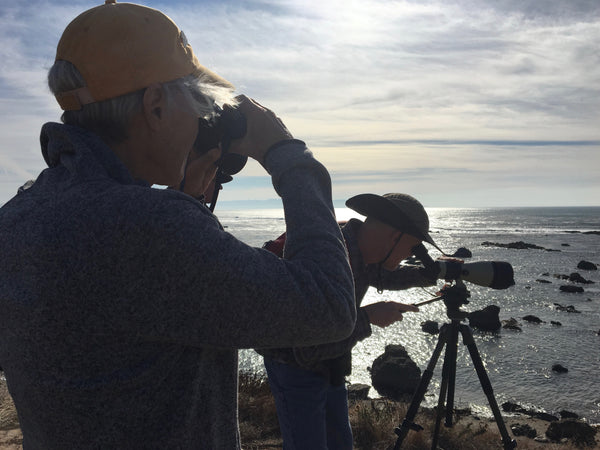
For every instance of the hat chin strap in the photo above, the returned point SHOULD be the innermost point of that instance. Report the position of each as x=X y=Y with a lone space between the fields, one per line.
x=380 y=264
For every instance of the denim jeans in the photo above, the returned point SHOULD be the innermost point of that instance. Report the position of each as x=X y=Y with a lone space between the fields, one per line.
x=313 y=414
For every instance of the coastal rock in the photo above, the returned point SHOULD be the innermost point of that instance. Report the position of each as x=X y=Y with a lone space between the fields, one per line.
x=559 y=368
x=523 y=430
x=358 y=391
x=532 y=319
x=571 y=289
x=486 y=319
x=569 y=309
x=577 y=278
x=511 y=324
x=554 y=322
x=539 y=280
x=430 y=326
x=568 y=415
x=394 y=374
x=516 y=408
x=463 y=252
x=586 y=265
x=512 y=407
x=519 y=245
x=577 y=431
x=543 y=416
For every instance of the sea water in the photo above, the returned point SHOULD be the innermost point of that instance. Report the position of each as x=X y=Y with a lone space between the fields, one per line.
x=518 y=363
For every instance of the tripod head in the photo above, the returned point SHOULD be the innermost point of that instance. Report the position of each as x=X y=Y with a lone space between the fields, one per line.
x=455 y=296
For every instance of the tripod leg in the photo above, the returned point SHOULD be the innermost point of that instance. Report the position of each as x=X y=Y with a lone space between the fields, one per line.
x=440 y=405
x=419 y=394
x=448 y=382
x=451 y=353
x=486 y=385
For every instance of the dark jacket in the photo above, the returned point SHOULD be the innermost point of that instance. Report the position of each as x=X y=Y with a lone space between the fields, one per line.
x=123 y=306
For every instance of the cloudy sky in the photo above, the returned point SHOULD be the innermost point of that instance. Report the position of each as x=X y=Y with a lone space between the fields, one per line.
x=458 y=102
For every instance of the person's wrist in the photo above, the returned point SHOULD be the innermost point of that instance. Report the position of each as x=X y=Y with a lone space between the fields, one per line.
x=280 y=144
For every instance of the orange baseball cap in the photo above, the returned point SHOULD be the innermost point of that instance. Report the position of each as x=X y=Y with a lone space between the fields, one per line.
x=120 y=48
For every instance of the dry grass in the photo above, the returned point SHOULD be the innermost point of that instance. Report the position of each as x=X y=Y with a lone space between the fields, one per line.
x=373 y=423
x=10 y=433
x=374 y=420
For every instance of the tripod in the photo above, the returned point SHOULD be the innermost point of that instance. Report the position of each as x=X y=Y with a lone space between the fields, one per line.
x=453 y=297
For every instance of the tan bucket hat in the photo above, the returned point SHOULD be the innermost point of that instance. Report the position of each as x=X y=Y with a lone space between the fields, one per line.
x=400 y=211
x=120 y=48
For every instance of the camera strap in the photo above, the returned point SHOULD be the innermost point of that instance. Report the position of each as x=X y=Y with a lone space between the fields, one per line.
x=380 y=265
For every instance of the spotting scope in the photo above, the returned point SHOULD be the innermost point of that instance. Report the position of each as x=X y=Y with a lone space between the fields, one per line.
x=493 y=274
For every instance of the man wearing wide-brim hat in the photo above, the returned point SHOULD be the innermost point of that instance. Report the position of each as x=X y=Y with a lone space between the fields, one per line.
x=308 y=383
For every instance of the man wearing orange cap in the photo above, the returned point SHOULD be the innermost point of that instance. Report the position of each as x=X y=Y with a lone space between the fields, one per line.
x=123 y=305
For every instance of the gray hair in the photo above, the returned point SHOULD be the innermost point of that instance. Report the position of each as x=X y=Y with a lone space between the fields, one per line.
x=110 y=118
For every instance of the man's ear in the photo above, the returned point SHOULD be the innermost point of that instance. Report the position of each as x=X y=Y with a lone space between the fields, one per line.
x=154 y=105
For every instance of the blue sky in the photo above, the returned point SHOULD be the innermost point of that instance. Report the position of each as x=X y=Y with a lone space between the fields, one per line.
x=460 y=103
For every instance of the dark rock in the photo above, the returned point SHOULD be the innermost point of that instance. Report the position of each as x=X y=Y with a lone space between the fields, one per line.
x=516 y=408
x=523 y=430
x=571 y=289
x=569 y=309
x=568 y=415
x=486 y=319
x=533 y=319
x=559 y=368
x=543 y=416
x=511 y=324
x=561 y=276
x=520 y=245
x=539 y=280
x=554 y=322
x=512 y=407
x=394 y=374
x=591 y=232
x=565 y=245
x=579 y=432
x=430 y=326
x=586 y=265
x=463 y=252
x=358 y=391
x=576 y=278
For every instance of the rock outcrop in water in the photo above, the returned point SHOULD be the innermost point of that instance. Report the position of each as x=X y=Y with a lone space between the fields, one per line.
x=571 y=289
x=586 y=265
x=394 y=374
x=520 y=245
x=486 y=319
x=463 y=252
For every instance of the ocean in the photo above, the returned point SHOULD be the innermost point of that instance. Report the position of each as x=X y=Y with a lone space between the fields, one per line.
x=518 y=363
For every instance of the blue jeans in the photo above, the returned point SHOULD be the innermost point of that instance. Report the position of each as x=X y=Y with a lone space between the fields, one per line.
x=313 y=414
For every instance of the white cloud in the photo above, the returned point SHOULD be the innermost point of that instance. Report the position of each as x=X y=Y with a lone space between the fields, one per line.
x=381 y=72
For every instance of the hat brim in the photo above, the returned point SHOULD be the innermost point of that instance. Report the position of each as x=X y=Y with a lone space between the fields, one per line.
x=382 y=209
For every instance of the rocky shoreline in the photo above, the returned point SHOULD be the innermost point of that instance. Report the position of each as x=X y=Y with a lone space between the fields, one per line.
x=530 y=429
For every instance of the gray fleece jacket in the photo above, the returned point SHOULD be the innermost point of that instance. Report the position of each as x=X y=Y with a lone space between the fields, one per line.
x=122 y=306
